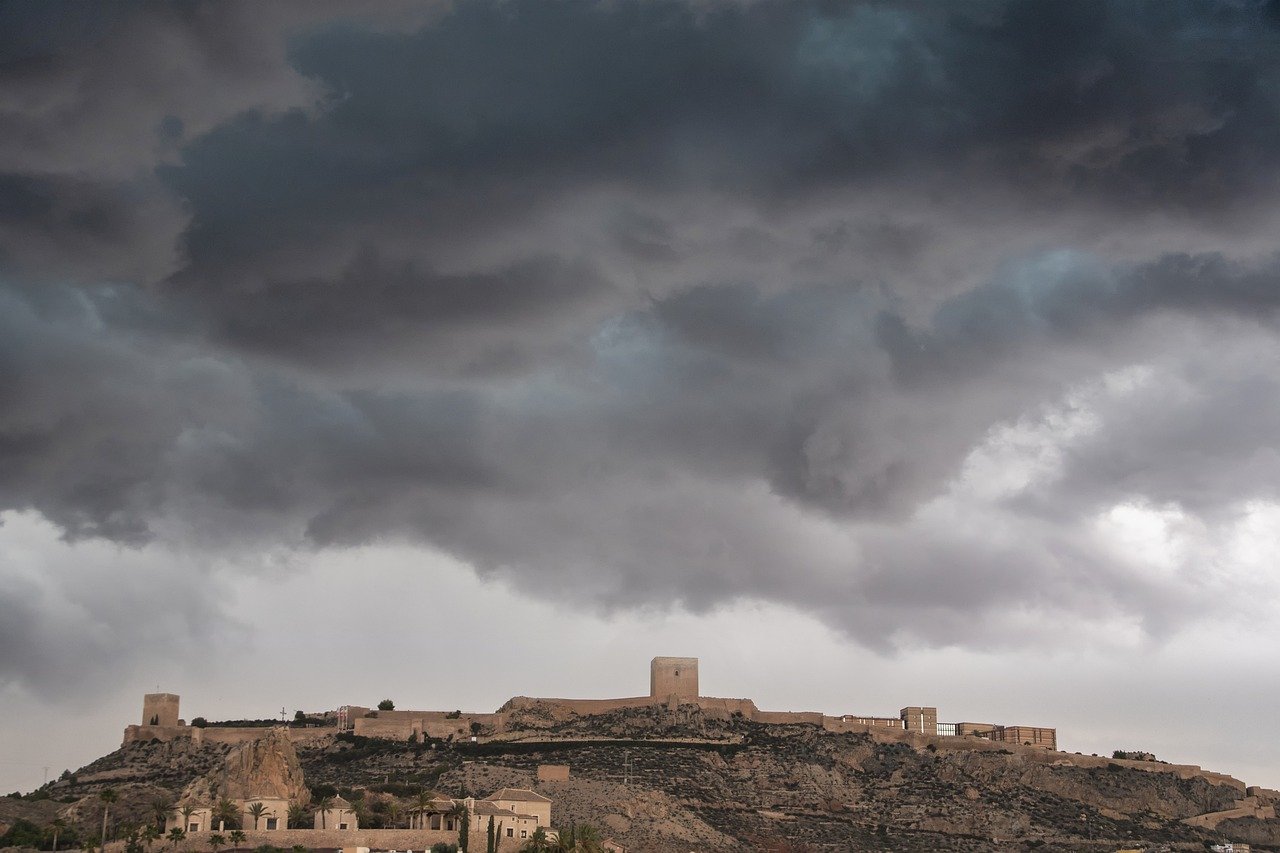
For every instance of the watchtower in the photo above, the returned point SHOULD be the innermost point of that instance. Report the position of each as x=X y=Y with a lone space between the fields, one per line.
x=673 y=677
x=920 y=719
x=160 y=709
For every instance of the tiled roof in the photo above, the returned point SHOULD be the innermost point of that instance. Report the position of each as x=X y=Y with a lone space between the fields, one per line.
x=523 y=795
x=483 y=808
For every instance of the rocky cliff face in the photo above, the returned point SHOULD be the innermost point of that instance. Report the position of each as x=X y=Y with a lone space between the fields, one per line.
x=266 y=767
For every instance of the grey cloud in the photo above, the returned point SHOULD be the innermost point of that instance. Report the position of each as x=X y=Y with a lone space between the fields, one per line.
x=644 y=301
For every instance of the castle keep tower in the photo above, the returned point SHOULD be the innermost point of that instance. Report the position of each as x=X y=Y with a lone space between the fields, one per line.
x=673 y=677
x=160 y=709
x=920 y=719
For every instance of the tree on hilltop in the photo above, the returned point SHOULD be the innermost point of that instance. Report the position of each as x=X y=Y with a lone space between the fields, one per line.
x=386 y=705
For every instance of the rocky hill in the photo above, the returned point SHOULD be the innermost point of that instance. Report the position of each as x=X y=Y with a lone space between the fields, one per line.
x=659 y=779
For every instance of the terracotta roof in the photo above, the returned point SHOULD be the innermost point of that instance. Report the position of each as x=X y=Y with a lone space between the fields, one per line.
x=483 y=808
x=523 y=795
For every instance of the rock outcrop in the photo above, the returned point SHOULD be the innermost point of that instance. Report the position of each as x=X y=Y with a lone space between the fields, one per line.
x=265 y=767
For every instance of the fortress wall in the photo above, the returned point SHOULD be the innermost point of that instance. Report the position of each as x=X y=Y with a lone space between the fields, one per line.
x=384 y=839
x=849 y=723
x=383 y=727
x=789 y=718
x=1026 y=735
x=160 y=733
x=745 y=707
x=233 y=735
x=584 y=707
x=399 y=725
x=308 y=733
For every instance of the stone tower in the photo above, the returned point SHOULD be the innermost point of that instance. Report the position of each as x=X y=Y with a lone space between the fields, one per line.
x=920 y=719
x=160 y=709
x=673 y=677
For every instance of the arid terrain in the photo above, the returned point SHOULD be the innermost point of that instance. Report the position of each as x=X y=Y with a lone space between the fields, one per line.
x=657 y=779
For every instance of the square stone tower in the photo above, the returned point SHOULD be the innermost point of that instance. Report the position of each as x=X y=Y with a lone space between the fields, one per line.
x=920 y=719
x=160 y=709
x=673 y=677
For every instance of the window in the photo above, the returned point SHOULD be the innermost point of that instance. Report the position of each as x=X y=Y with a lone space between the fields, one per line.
x=677 y=673
x=195 y=827
x=272 y=823
x=511 y=833
x=524 y=833
x=342 y=826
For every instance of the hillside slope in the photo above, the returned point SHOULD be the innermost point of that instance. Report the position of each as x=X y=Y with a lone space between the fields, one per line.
x=685 y=779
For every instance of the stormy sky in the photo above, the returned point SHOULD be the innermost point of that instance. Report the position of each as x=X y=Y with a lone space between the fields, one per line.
x=878 y=353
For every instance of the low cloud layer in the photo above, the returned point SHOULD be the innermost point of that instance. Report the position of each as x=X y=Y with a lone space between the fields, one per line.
x=905 y=316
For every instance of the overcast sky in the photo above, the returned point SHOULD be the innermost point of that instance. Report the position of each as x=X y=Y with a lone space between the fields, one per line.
x=878 y=353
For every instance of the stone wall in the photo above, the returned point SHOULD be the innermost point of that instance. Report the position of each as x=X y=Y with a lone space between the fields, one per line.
x=789 y=718
x=745 y=707
x=582 y=707
x=850 y=723
x=231 y=735
x=384 y=839
x=1026 y=735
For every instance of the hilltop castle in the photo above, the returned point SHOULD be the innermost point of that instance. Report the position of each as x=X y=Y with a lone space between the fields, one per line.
x=673 y=681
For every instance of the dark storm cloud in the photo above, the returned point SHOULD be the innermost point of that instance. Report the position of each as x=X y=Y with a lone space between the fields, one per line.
x=647 y=302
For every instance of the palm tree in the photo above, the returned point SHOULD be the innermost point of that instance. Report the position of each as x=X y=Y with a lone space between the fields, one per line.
x=295 y=815
x=361 y=812
x=175 y=836
x=161 y=808
x=149 y=836
x=237 y=837
x=226 y=813
x=56 y=827
x=586 y=839
x=422 y=807
x=108 y=796
x=187 y=811
x=324 y=806
x=256 y=811
x=393 y=812
x=538 y=843
x=463 y=814
x=216 y=841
